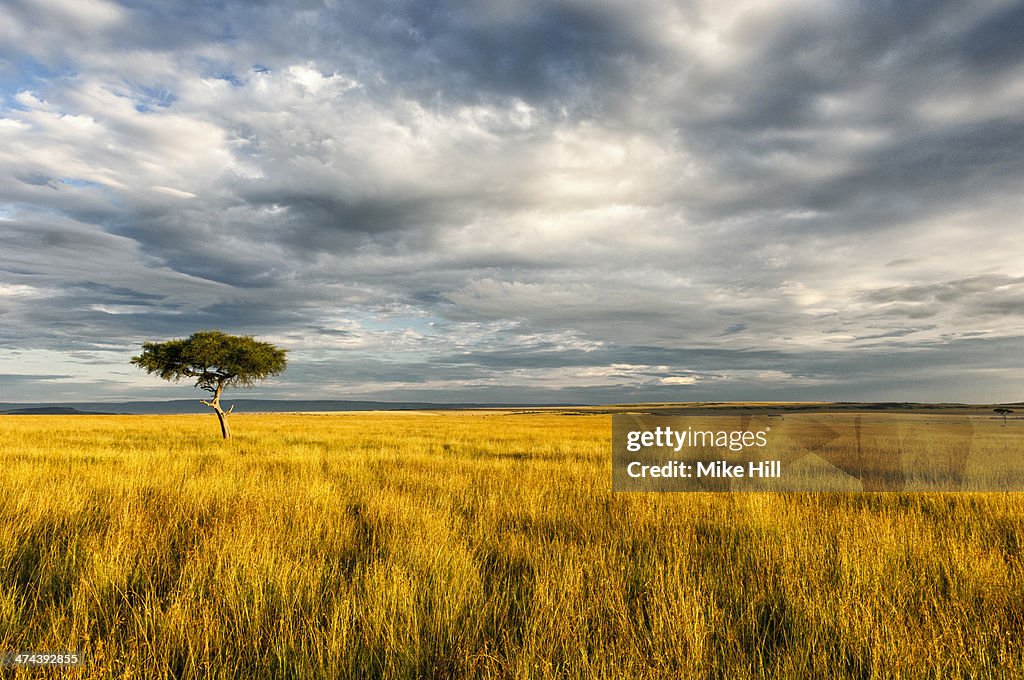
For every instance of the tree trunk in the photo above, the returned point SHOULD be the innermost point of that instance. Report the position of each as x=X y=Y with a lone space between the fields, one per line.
x=222 y=415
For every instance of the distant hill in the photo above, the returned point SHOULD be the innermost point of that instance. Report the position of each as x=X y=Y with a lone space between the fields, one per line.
x=241 y=406
x=52 y=411
x=179 y=406
x=781 y=408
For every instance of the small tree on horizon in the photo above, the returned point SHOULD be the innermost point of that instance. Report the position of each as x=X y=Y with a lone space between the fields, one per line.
x=215 y=360
x=1003 y=412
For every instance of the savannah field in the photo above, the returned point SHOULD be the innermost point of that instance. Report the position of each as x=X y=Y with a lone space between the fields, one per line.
x=481 y=544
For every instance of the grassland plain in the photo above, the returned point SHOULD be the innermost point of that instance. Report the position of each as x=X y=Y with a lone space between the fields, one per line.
x=478 y=545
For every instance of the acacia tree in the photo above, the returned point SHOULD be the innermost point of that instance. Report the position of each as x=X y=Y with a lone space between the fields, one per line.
x=215 y=360
x=1003 y=412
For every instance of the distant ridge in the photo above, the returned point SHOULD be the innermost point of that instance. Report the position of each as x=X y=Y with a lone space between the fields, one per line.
x=52 y=411
x=241 y=406
x=181 y=406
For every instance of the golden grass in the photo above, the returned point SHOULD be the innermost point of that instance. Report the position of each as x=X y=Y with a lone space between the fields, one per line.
x=477 y=545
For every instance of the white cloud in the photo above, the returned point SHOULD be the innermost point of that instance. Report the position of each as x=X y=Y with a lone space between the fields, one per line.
x=679 y=380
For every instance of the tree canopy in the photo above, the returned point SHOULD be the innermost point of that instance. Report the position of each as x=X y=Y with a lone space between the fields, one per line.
x=212 y=359
x=215 y=360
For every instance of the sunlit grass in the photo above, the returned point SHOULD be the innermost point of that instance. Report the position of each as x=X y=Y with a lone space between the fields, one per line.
x=477 y=545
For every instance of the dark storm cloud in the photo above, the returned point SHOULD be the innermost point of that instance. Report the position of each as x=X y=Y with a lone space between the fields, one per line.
x=594 y=201
x=37 y=179
x=455 y=50
x=983 y=299
x=833 y=49
x=875 y=68
x=127 y=295
x=14 y=379
x=948 y=292
x=994 y=42
x=313 y=223
x=928 y=172
x=536 y=52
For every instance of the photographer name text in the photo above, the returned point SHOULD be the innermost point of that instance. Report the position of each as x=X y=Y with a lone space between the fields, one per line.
x=765 y=469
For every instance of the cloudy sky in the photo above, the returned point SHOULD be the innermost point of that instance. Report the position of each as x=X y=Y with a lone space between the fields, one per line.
x=517 y=201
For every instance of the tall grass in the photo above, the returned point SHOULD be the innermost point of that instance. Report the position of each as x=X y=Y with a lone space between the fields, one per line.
x=476 y=545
